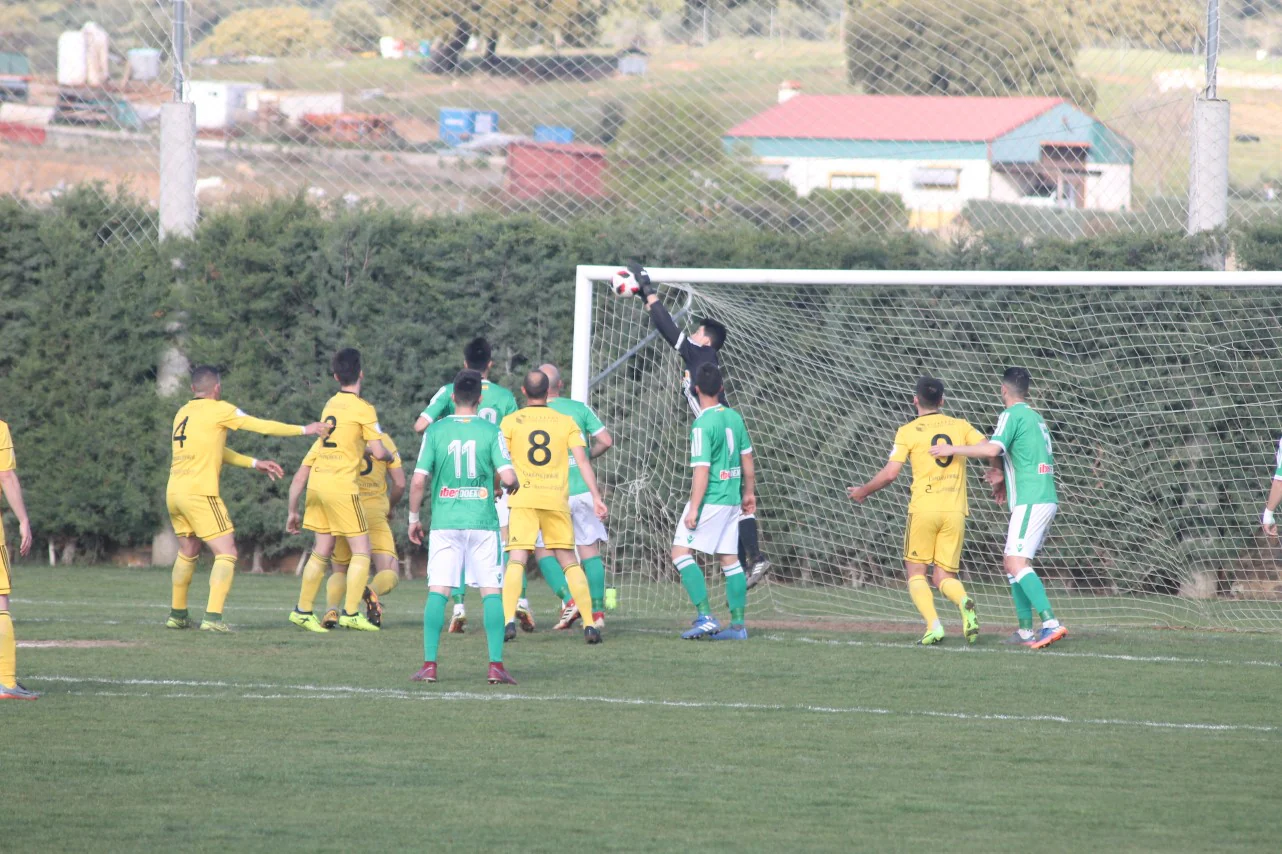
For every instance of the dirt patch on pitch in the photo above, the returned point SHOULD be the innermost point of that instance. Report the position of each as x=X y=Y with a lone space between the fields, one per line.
x=75 y=644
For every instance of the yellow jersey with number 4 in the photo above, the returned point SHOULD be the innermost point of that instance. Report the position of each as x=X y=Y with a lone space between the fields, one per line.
x=199 y=438
x=340 y=456
x=540 y=439
x=939 y=483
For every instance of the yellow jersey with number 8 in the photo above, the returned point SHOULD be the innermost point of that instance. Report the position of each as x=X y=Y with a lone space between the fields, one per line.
x=939 y=483
x=340 y=456
x=540 y=440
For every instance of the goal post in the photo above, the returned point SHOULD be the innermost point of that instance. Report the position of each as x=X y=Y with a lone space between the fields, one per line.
x=1162 y=391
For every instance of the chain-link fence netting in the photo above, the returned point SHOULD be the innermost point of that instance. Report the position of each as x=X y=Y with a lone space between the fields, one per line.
x=1050 y=116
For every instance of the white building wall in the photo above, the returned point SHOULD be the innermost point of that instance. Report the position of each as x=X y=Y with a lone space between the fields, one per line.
x=1110 y=190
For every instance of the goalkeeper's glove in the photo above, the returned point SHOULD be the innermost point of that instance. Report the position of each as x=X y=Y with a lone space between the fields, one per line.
x=644 y=288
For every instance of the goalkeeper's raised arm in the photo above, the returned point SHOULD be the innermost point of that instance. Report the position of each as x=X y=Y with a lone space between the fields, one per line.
x=699 y=348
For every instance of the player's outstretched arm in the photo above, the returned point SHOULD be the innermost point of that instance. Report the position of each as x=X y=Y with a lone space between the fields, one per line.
x=1275 y=497
x=589 y=478
x=881 y=480
x=379 y=451
x=983 y=451
x=418 y=486
x=12 y=488
x=422 y=423
x=241 y=421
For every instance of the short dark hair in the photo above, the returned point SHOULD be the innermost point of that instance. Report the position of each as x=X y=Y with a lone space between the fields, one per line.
x=707 y=379
x=477 y=354
x=930 y=392
x=536 y=385
x=205 y=376
x=346 y=365
x=467 y=387
x=1018 y=379
x=715 y=330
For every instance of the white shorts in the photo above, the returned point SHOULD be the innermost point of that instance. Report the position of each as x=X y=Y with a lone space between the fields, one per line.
x=1028 y=526
x=454 y=556
x=588 y=529
x=500 y=504
x=718 y=531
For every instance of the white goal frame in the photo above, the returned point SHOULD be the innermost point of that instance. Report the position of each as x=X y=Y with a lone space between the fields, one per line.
x=586 y=275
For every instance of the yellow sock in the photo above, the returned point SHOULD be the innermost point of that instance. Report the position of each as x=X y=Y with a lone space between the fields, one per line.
x=313 y=575
x=184 y=568
x=513 y=580
x=357 y=578
x=8 y=652
x=336 y=589
x=220 y=579
x=384 y=581
x=953 y=590
x=579 y=589
x=924 y=599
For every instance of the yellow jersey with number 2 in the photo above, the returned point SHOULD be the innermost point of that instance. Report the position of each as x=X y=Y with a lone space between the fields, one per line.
x=540 y=439
x=340 y=456
x=939 y=483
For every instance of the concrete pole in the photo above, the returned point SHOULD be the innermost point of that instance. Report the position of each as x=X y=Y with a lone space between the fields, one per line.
x=1209 y=152
x=178 y=143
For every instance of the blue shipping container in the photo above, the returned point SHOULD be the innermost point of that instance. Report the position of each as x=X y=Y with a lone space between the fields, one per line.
x=553 y=133
x=457 y=125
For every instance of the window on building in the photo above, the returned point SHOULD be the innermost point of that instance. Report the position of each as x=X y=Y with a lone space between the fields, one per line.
x=933 y=178
x=849 y=181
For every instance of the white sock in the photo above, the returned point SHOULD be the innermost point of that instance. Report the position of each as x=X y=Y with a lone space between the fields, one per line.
x=523 y=603
x=1026 y=634
x=1050 y=624
x=459 y=609
x=937 y=626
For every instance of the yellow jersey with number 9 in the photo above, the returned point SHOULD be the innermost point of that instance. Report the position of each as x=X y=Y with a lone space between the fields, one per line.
x=340 y=456
x=939 y=483
x=540 y=440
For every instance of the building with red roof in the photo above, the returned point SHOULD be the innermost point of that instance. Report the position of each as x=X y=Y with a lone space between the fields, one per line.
x=939 y=152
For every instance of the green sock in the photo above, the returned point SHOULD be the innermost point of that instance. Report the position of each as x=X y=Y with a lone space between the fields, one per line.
x=178 y=613
x=525 y=583
x=594 y=569
x=554 y=576
x=493 y=618
x=458 y=593
x=433 y=622
x=212 y=617
x=1023 y=608
x=736 y=592
x=1036 y=593
x=696 y=587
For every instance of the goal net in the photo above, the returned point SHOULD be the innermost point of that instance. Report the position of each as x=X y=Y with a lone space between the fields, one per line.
x=1161 y=391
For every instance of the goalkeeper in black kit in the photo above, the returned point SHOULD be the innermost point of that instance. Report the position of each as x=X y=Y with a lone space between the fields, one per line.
x=699 y=348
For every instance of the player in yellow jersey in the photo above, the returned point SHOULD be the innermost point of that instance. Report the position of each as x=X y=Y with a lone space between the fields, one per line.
x=12 y=488
x=938 y=509
x=196 y=507
x=542 y=441
x=377 y=502
x=334 y=506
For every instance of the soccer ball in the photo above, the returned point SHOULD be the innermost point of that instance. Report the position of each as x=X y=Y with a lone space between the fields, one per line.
x=624 y=284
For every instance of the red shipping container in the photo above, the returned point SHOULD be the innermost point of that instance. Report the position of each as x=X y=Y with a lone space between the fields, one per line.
x=538 y=168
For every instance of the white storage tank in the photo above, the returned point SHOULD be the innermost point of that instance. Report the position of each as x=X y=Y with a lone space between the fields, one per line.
x=71 y=58
x=218 y=102
x=97 y=55
x=144 y=64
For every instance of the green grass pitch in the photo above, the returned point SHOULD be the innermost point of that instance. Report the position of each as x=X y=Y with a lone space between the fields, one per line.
x=272 y=739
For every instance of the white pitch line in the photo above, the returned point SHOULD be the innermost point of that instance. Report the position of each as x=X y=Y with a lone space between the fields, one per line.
x=344 y=692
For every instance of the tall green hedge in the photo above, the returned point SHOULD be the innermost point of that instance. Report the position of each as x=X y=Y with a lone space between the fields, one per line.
x=269 y=291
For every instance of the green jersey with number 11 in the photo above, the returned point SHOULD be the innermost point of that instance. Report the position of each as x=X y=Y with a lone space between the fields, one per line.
x=1026 y=448
x=462 y=454
x=719 y=440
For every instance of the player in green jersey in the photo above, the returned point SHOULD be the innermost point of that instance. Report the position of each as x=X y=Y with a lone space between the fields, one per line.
x=1028 y=471
x=462 y=454
x=1267 y=521
x=496 y=404
x=723 y=485
x=589 y=531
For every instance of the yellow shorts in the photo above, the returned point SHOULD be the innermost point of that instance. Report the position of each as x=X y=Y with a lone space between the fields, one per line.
x=4 y=570
x=525 y=523
x=203 y=516
x=935 y=537
x=337 y=513
x=381 y=540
